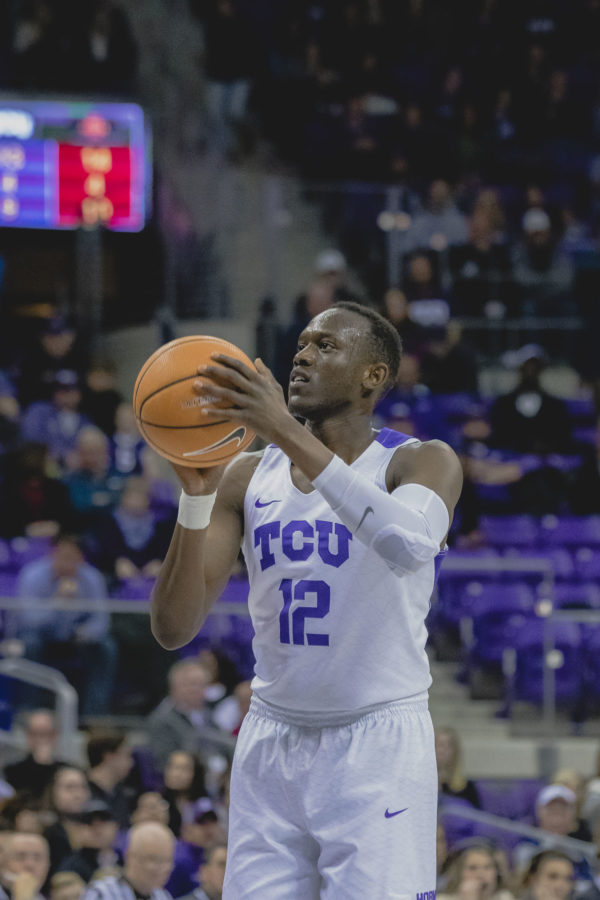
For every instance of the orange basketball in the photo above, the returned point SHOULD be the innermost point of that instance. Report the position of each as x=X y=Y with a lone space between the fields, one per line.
x=167 y=408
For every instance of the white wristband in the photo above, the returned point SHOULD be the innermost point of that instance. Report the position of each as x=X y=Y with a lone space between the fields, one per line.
x=194 y=512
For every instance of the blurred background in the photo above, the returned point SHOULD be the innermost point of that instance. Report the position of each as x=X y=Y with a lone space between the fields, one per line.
x=234 y=168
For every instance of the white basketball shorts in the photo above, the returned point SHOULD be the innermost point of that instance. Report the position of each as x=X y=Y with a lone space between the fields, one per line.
x=343 y=812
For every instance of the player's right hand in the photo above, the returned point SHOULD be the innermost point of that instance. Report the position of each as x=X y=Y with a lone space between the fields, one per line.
x=198 y=482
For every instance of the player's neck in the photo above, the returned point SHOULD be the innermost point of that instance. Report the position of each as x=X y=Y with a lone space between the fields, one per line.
x=347 y=436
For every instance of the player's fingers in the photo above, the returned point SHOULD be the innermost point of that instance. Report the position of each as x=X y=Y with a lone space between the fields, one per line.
x=231 y=363
x=217 y=392
x=221 y=375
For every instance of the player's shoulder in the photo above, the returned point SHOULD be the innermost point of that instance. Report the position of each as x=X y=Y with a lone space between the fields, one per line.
x=433 y=449
x=237 y=476
x=421 y=457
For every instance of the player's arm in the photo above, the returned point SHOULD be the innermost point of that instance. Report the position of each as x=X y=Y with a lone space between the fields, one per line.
x=407 y=526
x=200 y=560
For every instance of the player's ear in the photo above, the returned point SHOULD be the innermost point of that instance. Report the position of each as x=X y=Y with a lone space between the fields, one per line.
x=375 y=377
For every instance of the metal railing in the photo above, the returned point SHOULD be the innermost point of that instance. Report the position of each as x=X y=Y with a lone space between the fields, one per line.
x=67 y=701
x=570 y=846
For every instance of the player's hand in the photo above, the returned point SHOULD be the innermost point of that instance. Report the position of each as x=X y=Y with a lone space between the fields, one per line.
x=256 y=397
x=198 y=482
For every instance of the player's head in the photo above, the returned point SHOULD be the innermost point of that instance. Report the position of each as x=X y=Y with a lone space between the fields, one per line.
x=347 y=357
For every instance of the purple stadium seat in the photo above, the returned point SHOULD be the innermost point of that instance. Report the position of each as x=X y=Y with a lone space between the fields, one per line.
x=456 y=827
x=498 y=613
x=5 y=555
x=587 y=564
x=511 y=799
x=559 y=558
x=528 y=682
x=571 y=531
x=138 y=588
x=509 y=531
x=26 y=549
x=577 y=595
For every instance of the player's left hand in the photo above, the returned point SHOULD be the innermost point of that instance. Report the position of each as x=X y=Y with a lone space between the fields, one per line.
x=255 y=396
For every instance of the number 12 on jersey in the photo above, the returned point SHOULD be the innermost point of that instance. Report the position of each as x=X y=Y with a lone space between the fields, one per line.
x=298 y=591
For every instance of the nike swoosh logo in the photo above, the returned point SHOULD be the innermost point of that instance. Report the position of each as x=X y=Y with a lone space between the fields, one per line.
x=368 y=510
x=390 y=815
x=238 y=435
x=260 y=505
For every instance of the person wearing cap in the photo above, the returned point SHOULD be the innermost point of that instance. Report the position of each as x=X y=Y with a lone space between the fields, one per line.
x=57 y=422
x=211 y=874
x=148 y=863
x=56 y=348
x=199 y=829
x=543 y=274
x=556 y=814
x=98 y=836
x=529 y=419
x=76 y=640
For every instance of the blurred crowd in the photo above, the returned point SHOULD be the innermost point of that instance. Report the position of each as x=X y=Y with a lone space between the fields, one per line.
x=128 y=820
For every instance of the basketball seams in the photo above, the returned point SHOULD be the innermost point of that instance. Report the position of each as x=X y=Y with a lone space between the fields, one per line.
x=164 y=387
x=156 y=355
x=203 y=425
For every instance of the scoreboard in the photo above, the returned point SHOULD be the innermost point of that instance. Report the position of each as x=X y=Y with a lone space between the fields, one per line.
x=67 y=164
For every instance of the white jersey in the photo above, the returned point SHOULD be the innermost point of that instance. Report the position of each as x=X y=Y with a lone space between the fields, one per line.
x=335 y=629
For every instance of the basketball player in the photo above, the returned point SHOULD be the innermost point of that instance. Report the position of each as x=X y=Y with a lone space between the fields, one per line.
x=334 y=785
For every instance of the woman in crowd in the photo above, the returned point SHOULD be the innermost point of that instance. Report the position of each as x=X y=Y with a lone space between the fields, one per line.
x=549 y=876
x=474 y=875
x=449 y=762
x=67 y=795
x=184 y=780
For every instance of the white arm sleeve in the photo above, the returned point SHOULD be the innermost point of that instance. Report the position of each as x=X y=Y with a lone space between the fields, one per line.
x=406 y=528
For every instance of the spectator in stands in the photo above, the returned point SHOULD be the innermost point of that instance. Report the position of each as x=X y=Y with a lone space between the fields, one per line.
x=126 y=443
x=57 y=422
x=184 y=780
x=37 y=770
x=441 y=225
x=109 y=51
x=544 y=276
x=148 y=864
x=66 y=797
x=200 y=828
x=230 y=66
x=10 y=412
x=211 y=874
x=68 y=638
x=66 y=886
x=574 y=781
x=448 y=364
x=94 y=487
x=97 y=838
x=230 y=712
x=474 y=873
x=556 y=813
x=23 y=813
x=25 y=861
x=130 y=542
x=452 y=781
x=110 y=760
x=550 y=876
x=181 y=721
x=56 y=350
x=150 y=807
x=528 y=419
x=480 y=268
x=101 y=396
x=33 y=503
x=396 y=310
